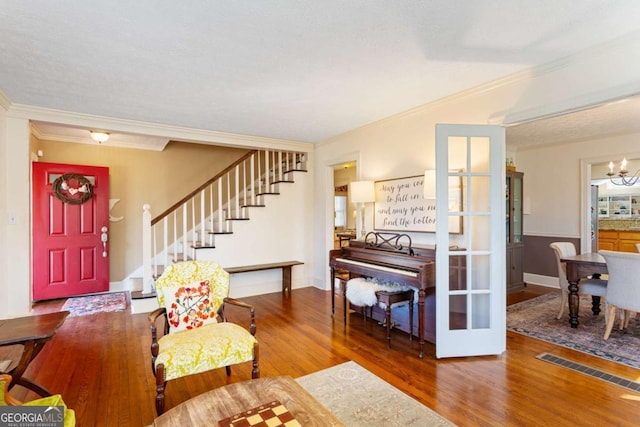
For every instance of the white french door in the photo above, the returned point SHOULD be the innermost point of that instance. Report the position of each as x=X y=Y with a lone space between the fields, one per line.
x=470 y=275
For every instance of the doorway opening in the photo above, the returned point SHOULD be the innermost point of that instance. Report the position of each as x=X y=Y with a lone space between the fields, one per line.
x=344 y=211
x=614 y=208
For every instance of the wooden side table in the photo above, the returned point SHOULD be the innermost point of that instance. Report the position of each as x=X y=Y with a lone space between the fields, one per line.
x=215 y=405
x=32 y=332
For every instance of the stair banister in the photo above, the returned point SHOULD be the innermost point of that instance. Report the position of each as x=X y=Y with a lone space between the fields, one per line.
x=211 y=210
x=165 y=243
x=147 y=275
x=236 y=192
x=253 y=181
x=197 y=190
x=245 y=189
x=188 y=221
x=266 y=172
x=203 y=217
x=259 y=189
x=219 y=206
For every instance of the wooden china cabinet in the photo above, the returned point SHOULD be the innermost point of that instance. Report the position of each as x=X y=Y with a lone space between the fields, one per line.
x=514 y=232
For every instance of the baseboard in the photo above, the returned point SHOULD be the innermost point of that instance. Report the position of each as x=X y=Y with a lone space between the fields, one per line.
x=145 y=305
x=254 y=289
x=118 y=287
x=540 y=280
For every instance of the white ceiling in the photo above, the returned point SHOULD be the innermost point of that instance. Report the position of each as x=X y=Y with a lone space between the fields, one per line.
x=620 y=117
x=301 y=70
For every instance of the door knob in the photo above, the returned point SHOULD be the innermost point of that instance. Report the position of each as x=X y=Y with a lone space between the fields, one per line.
x=104 y=238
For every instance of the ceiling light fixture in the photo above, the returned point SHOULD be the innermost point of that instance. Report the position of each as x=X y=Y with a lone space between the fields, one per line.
x=622 y=174
x=99 y=136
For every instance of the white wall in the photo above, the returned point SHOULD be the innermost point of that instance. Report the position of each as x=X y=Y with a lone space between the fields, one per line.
x=403 y=145
x=276 y=232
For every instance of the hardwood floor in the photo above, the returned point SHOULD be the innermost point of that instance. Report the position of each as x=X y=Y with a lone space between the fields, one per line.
x=101 y=366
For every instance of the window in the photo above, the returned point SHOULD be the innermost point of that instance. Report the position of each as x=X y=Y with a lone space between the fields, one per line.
x=340 y=209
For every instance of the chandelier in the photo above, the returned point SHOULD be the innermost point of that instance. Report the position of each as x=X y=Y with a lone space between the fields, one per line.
x=622 y=175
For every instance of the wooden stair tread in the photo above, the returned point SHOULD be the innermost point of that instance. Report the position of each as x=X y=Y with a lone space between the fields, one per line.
x=140 y=295
x=203 y=246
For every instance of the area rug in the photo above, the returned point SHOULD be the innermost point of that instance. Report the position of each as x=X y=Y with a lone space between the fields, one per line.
x=360 y=398
x=92 y=304
x=537 y=318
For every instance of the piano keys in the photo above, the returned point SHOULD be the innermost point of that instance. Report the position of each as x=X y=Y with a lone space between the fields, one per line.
x=390 y=257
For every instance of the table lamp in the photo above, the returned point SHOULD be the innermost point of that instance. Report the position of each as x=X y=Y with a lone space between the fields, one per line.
x=362 y=192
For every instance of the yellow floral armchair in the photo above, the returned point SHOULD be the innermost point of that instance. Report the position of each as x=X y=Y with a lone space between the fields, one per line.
x=197 y=337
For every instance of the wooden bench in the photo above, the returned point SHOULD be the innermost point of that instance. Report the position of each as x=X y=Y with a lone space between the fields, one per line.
x=285 y=266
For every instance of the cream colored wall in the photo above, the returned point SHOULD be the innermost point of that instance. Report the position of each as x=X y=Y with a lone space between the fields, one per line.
x=4 y=247
x=404 y=145
x=15 y=284
x=136 y=177
x=553 y=183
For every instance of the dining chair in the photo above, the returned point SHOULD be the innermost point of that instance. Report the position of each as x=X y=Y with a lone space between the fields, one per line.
x=593 y=287
x=623 y=289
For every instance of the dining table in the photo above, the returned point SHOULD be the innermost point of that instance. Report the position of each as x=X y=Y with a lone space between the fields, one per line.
x=580 y=267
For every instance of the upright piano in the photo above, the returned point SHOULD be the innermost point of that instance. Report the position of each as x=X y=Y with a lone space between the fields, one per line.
x=391 y=257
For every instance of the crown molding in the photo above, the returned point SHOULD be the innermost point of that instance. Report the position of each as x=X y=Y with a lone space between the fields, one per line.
x=5 y=102
x=140 y=142
x=168 y=132
x=594 y=99
x=520 y=77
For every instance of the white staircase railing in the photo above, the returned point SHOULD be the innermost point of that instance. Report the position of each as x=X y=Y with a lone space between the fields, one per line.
x=210 y=210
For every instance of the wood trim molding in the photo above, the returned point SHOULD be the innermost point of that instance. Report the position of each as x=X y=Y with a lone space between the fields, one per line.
x=5 y=102
x=160 y=130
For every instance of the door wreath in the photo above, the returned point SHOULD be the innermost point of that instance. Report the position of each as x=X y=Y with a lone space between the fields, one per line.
x=72 y=188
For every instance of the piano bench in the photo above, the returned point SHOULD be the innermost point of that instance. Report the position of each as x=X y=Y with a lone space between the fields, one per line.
x=389 y=299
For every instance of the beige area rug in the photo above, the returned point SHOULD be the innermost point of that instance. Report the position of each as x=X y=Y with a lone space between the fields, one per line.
x=359 y=398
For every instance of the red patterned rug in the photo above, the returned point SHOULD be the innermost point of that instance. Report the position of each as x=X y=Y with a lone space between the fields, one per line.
x=93 y=304
x=537 y=318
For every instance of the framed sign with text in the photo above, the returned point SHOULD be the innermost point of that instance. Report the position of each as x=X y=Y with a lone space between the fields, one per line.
x=400 y=206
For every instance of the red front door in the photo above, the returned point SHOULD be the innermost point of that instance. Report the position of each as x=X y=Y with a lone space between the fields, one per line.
x=70 y=230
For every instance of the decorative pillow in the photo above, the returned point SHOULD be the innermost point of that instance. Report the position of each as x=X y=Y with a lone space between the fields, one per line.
x=189 y=306
x=53 y=401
